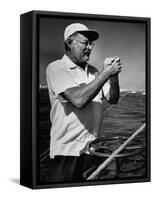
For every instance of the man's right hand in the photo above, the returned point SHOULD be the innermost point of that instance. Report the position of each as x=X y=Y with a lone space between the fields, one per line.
x=112 y=66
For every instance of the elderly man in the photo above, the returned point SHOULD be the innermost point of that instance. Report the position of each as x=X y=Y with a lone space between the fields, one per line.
x=76 y=91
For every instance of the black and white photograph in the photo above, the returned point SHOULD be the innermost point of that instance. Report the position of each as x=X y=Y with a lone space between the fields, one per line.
x=93 y=99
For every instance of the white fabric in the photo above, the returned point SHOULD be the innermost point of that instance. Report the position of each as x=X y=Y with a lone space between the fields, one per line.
x=71 y=128
x=72 y=28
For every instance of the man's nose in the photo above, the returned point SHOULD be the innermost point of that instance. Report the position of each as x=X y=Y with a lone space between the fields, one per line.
x=89 y=46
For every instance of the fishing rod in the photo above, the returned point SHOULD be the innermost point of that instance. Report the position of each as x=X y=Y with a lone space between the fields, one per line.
x=113 y=155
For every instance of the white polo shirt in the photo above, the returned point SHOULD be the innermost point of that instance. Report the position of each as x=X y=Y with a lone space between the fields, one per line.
x=71 y=127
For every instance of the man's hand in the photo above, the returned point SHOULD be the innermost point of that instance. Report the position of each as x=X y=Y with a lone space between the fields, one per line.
x=81 y=96
x=112 y=66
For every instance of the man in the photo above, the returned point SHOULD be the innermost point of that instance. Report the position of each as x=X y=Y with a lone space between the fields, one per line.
x=76 y=91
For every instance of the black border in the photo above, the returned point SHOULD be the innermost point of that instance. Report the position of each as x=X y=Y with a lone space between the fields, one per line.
x=29 y=62
x=26 y=100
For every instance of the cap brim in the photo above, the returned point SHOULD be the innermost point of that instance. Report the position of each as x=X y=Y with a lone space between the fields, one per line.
x=90 y=34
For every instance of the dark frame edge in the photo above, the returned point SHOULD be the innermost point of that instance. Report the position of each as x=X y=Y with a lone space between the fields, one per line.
x=26 y=157
x=88 y=15
x=93 y=183
x=148 y=89
x=35 y=86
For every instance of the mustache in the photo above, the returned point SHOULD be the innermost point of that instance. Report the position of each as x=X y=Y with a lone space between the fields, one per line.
x=87 y=52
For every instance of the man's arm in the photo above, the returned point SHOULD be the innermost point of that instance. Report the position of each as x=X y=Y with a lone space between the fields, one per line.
x=114 y=92
x=80 y=96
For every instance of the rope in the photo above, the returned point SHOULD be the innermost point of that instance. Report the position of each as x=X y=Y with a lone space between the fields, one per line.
x=122 y=97
x=46 y=151
x=137 y=68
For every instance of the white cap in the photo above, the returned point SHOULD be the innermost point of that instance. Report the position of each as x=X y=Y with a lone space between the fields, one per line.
x=80 y=28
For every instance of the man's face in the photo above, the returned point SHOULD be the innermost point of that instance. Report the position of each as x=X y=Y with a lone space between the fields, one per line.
x=80 y=49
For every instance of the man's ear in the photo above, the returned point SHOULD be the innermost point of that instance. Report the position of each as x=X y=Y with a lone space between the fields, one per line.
x=69 y=42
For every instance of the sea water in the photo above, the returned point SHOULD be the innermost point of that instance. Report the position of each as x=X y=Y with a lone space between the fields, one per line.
x=122 y=119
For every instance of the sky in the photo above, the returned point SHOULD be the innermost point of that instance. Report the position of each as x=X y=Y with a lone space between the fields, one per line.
x=116 y=38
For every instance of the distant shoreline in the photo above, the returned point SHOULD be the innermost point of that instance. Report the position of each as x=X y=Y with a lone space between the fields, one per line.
x=125 y=91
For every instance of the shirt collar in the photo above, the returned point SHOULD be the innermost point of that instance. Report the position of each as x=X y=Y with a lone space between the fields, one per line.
x=70 y=64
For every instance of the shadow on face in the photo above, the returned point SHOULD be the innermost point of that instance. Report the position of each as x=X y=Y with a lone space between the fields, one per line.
x=80 y=49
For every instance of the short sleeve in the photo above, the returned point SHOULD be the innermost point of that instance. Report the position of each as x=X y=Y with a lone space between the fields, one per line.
x=59 y=79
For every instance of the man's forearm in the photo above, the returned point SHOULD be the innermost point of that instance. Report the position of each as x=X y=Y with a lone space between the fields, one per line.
x=113 y=95
x=80 y=96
